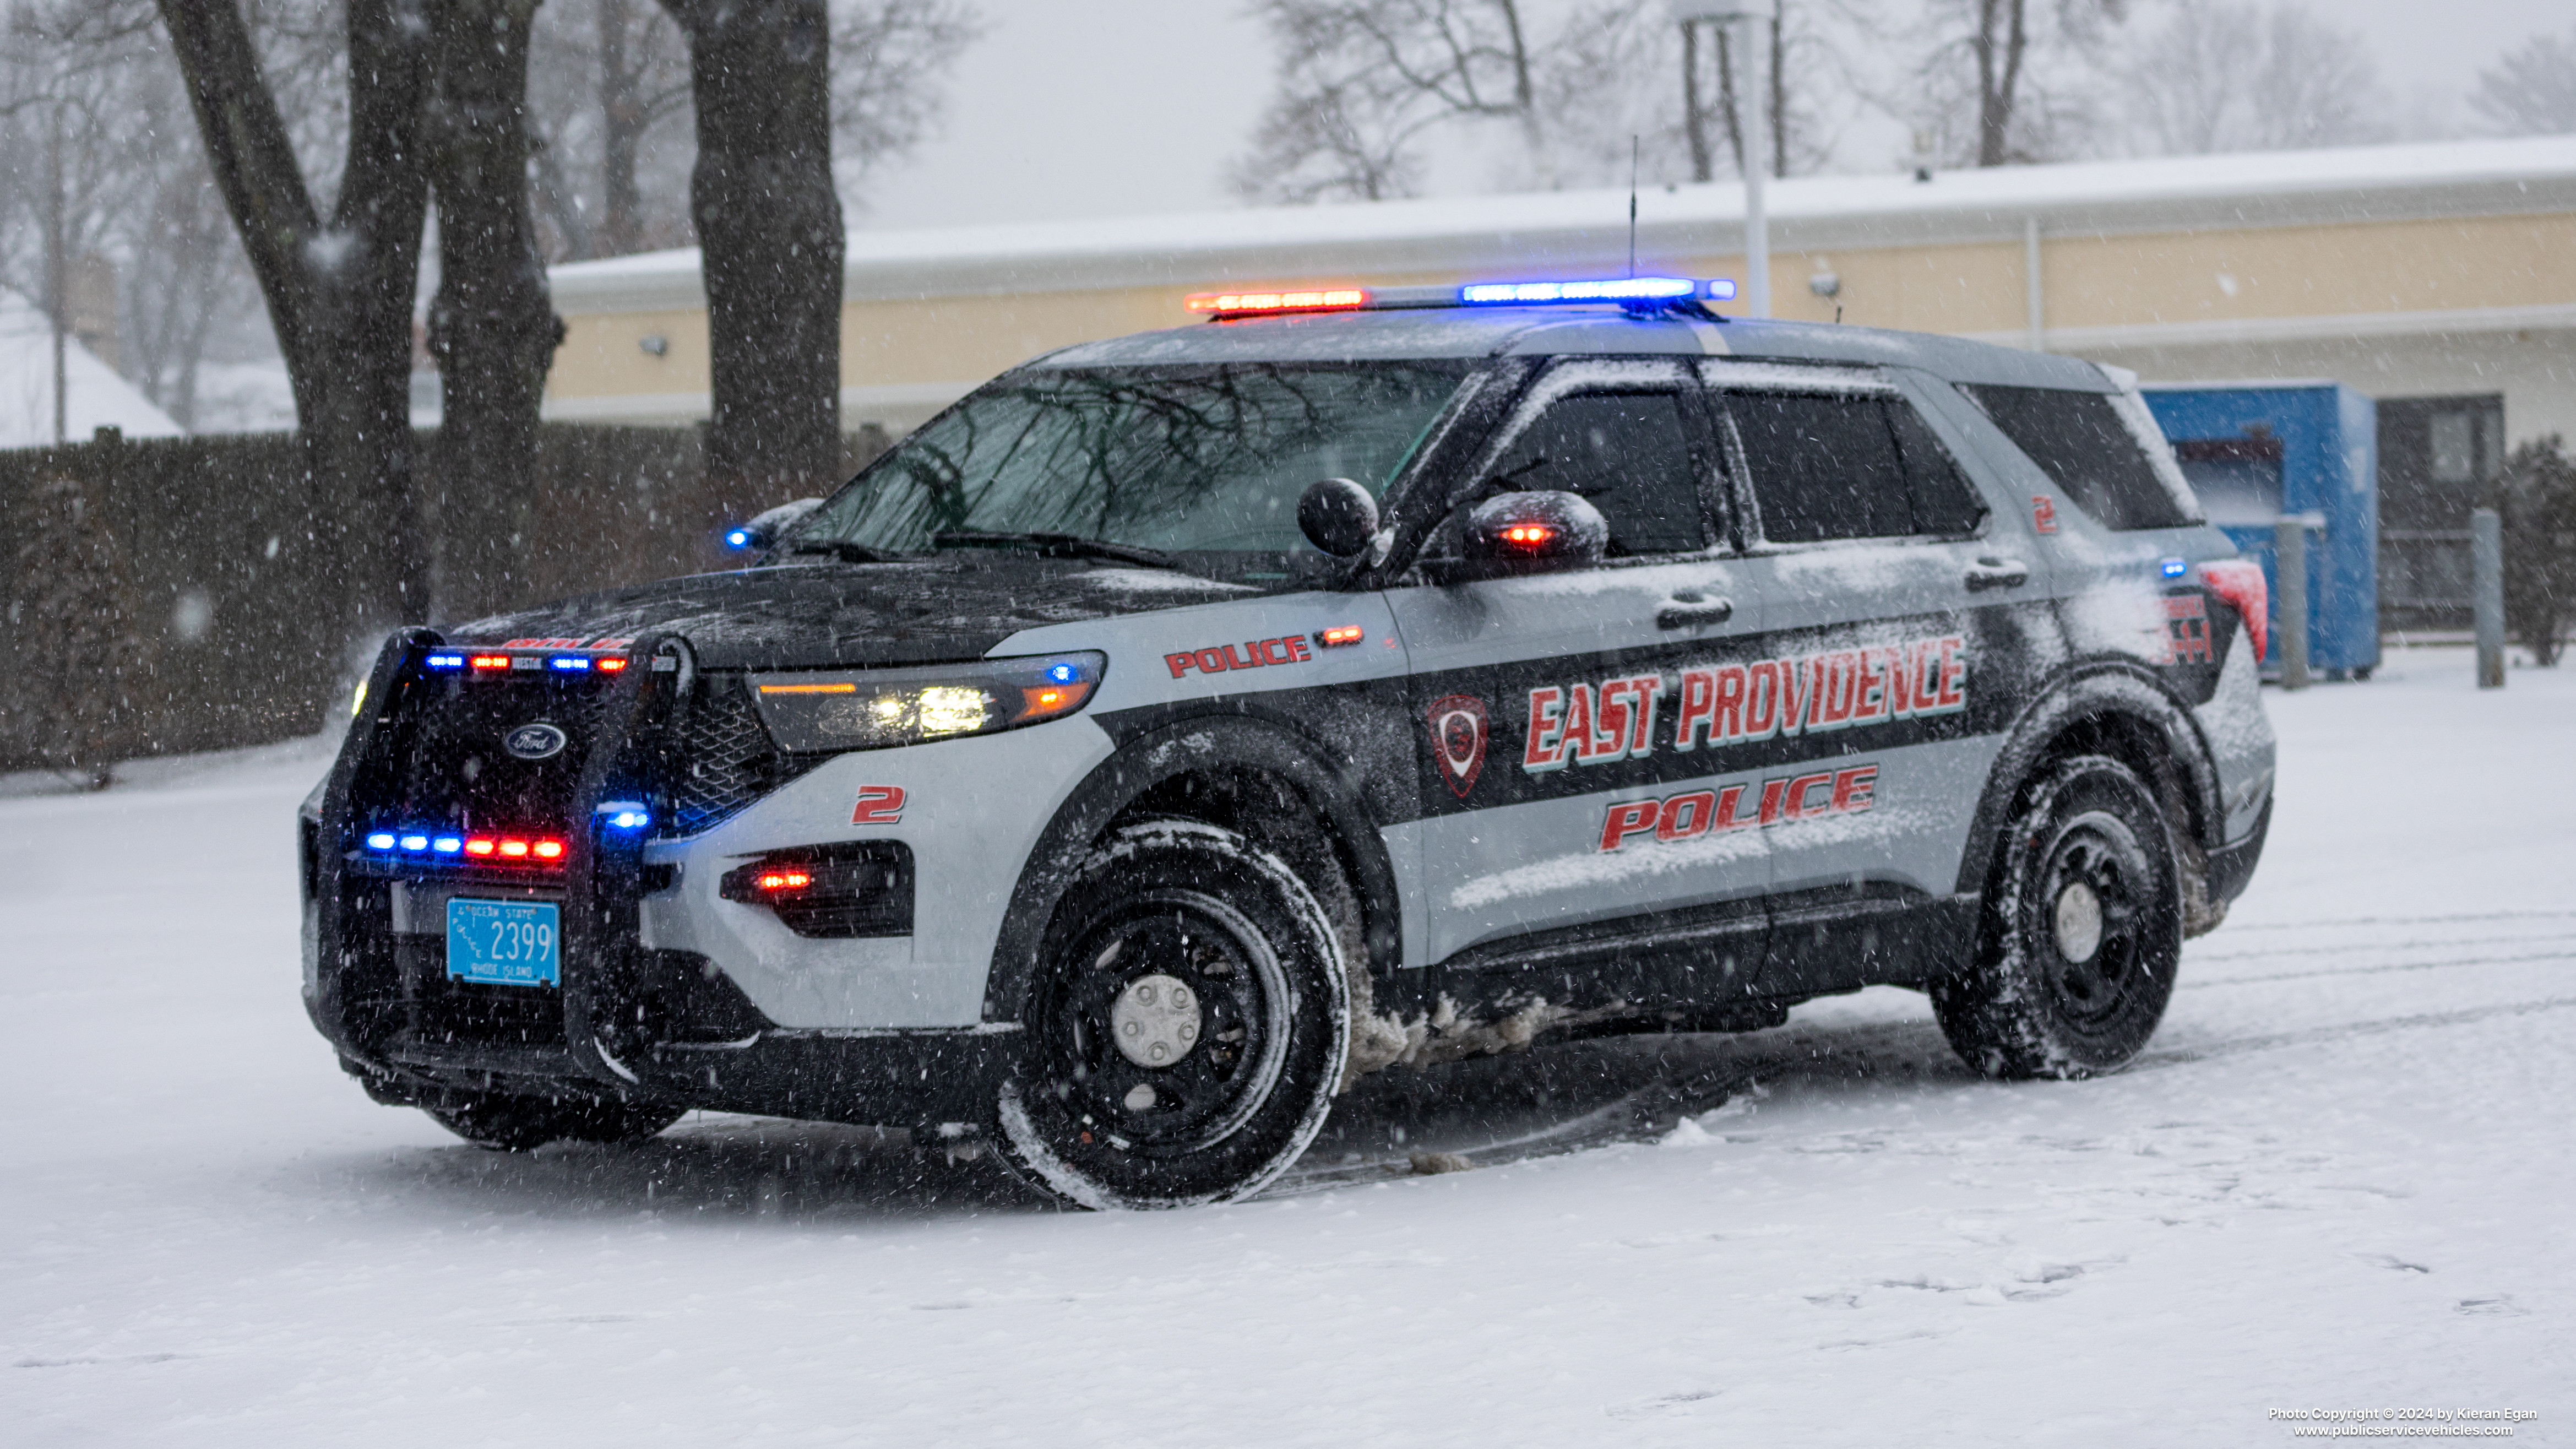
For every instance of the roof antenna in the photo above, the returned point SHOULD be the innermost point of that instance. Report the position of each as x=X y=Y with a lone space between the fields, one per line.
x=1632 y=204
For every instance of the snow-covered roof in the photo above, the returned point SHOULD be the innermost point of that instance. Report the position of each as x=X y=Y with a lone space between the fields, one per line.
x=1538 y=230
x=94 y=396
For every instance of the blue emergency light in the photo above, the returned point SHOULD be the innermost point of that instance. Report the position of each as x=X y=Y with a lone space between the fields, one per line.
x=445 y=661
x=738 y=538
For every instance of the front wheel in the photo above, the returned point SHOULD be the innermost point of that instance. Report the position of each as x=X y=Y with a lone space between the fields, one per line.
x=1185 y=1028
x=2082 y=930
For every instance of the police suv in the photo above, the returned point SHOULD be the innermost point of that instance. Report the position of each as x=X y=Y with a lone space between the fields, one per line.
x=1184 y=725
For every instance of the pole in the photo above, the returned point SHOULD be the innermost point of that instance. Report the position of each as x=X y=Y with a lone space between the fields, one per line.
x=56 y=281
x=2034 y=298
x=2290 y=559
x=1751 y=101
x=2486 y=551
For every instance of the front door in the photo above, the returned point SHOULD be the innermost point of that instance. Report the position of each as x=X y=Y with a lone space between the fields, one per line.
x=1546 y=704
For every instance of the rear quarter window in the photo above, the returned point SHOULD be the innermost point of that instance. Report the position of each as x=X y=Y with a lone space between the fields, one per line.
x=2091 y=451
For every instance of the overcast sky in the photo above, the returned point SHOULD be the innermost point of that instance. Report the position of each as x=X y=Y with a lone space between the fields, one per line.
x=1134 y=106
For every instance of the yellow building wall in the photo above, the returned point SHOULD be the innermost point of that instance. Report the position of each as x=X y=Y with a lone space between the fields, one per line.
x=2089 y=281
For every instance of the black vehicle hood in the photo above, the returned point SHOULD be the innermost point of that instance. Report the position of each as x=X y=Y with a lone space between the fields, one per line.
x=820 y=615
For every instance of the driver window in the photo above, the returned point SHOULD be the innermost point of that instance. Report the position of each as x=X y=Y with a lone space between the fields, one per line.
x=1626 y=453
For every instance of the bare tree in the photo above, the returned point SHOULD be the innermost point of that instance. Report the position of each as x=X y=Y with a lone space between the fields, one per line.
x=613 y=143
x=2223 y=76
x=492 y=325
x=890 y=59
x=769 y=224
x=2007 y=82
x=1361 y=81
x=339 y=290
x=2531 y=90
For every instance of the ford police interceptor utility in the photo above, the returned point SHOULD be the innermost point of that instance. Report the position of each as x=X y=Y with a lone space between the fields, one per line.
x=1183 y=725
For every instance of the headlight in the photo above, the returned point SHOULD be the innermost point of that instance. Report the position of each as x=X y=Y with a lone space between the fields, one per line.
x=867 y=709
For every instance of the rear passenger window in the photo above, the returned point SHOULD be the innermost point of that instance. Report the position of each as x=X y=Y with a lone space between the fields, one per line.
x=1848 y=465
x=1626 y=453
x=2080 y=442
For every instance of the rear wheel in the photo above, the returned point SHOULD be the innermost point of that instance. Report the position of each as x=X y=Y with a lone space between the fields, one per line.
x=2082 y=931
x=1185 y=1029
x=509 y=1122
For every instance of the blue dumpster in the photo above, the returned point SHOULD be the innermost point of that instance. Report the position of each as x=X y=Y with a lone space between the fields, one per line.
x=2259 y=451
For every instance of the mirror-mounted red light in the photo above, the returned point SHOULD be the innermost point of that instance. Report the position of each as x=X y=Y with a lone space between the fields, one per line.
x=1529 y=535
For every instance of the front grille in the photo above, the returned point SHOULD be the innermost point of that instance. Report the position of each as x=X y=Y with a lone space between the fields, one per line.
x=723 y=758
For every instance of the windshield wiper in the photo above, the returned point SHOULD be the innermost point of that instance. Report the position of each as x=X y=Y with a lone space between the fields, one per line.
x=843 y=549
x=1057 y=545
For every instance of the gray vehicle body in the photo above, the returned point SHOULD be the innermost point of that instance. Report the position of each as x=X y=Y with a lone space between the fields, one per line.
x=1696 y=872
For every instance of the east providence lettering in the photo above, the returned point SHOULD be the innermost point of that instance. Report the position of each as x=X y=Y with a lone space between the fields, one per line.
x=1726 y=704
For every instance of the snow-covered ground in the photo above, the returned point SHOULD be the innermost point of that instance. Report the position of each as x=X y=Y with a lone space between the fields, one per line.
x=2339 y=1179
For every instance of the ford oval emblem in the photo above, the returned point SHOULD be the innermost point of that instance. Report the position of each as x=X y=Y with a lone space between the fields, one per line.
x=534 y=742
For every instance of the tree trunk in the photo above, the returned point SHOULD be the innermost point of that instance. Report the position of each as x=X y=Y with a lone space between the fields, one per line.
x=624 y=115
x=1998 y=76
x=338 y=295
x=492 y=327
x=1779 y=104
x=1694 y=116
x=769 y=223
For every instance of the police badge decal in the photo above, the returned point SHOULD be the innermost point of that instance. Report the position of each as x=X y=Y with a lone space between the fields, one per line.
x=1458 y=730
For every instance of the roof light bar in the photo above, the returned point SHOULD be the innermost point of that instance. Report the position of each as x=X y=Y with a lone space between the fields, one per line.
x=1246 y=304
x=1635 y=293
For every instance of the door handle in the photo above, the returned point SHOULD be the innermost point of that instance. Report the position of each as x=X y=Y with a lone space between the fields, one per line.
x=1693 y=611
x=1997 y=573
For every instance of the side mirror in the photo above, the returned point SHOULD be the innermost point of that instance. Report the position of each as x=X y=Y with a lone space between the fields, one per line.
x=1337 y=516
x=1529 y=533
x=769 y=527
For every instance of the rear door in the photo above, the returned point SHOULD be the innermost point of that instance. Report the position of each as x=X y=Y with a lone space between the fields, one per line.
x=1546 y=703
x=1891 y=584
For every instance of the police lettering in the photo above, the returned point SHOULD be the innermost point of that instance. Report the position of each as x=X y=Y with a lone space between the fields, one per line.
x=1292 y=649
x=1846 y=790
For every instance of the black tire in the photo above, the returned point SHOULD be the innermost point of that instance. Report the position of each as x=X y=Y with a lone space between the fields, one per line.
x=507 y=1122
x=1187 y=937
x=2088 y=859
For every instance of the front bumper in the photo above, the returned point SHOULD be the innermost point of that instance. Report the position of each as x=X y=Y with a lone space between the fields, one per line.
x=633 y=1018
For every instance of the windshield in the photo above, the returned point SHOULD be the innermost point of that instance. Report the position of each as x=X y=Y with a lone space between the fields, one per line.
x=1204 y=463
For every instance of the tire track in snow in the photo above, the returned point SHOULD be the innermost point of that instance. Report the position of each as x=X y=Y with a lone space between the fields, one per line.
x=1650 y=1111
x=2377 y=970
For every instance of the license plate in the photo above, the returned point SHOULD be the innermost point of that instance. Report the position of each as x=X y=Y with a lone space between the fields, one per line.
x=505 y=943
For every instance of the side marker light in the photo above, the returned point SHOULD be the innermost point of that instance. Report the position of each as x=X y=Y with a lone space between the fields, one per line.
x=1341 y=634
x=611 y=666
x=1528 y=535
x=785 y=880
x=2175 y=568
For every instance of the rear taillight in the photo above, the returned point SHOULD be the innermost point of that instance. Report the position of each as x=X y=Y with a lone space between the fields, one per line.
x=2240 y=583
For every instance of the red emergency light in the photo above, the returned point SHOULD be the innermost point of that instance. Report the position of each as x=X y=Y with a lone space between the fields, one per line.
x=1254 y=304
